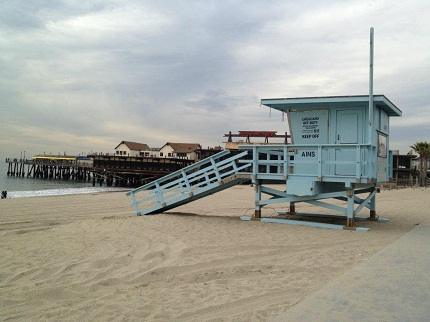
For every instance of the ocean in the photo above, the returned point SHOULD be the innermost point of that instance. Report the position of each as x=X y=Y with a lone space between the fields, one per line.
x=20 y=187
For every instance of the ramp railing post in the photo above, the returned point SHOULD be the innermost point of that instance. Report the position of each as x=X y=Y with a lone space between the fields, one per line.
x=135 y=204
x=214 y=166
x=187 y=183
x=159 y=194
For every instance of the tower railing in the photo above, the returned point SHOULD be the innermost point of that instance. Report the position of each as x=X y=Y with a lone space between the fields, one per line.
x=280 y=162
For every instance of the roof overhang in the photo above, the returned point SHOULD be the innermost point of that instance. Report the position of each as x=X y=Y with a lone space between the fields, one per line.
x=306 y=103
x=55 y=157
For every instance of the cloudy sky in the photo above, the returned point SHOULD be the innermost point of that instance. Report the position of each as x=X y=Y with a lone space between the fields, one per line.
x=81 y=76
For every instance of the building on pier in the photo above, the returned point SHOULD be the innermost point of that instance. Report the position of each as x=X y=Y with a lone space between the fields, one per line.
x=129 y=148
x=180 y=150
x=168 y=150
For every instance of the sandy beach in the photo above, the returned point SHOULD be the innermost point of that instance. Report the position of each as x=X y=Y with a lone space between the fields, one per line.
x=86 y=258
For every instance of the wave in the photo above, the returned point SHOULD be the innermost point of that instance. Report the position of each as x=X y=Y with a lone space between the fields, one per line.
x=62 y=191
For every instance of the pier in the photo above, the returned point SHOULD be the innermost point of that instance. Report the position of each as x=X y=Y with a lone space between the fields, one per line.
x=133 y=171
x=49 y=168
x=112 y=170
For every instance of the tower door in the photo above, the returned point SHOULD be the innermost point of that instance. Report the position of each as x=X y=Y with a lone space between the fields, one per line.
x=349 y=130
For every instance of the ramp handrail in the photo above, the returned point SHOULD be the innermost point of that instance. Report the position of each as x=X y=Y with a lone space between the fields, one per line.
x=187 y=182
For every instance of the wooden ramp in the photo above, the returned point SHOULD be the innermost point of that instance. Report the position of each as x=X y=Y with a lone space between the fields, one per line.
x=218 y=172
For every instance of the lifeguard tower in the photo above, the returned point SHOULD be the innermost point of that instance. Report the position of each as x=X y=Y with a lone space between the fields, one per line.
x=339 y=151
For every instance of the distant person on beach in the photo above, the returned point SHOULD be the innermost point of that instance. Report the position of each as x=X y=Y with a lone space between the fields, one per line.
x=3 y=194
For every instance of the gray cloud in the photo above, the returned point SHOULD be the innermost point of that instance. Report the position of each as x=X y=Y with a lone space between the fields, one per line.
x=84 y=76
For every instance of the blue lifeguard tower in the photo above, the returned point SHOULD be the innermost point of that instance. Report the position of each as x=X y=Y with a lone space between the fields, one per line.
x=339 y=151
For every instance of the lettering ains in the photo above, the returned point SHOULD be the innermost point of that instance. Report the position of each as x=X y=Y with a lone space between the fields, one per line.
x=308 y=154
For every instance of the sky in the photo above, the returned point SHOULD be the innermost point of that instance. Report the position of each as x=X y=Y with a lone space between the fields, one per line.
x=79 y=77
